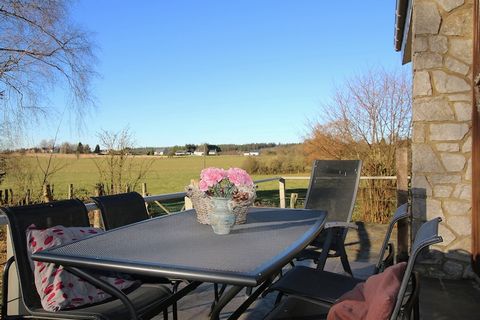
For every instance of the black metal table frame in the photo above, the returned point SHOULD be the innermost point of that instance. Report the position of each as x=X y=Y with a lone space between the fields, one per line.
x=77 y=265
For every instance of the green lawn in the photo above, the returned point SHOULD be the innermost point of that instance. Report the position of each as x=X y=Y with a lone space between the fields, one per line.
x=166 y=175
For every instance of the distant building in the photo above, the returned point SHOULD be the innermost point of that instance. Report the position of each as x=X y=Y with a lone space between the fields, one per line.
x=182 y=153
x=160 y=152
x=212 y=152
x=198 y=153
x=252 y=153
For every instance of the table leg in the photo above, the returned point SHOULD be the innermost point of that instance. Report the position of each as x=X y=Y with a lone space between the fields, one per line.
x=230 y=294
x=217 y=295
x=222 y=302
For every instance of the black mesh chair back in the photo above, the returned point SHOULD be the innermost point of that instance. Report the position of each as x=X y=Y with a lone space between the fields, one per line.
x=426 y=235
x=400 y=214
x=121 y=209
x=333 y=188
x=68 y=213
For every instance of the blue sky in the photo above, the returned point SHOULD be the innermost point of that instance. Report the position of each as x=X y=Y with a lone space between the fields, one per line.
x=178 y=72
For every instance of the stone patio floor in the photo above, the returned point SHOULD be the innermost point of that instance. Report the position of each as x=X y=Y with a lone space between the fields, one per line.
x=439 y=299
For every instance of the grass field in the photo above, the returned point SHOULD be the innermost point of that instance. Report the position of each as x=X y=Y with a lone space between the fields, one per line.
x=166 y=175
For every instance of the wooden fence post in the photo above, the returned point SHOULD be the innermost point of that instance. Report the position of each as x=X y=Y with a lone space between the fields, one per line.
x=144 y=194
x=188 y=203
x=70 y=191
x=401 y=157
x=47 y=193
x=281 y=192
x=27 y=197
x=96 y=213
x=293 y=200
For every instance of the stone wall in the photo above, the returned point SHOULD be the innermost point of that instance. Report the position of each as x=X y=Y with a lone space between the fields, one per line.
x=441 y=152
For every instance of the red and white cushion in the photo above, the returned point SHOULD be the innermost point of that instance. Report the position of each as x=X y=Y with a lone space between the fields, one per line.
x=57 y=288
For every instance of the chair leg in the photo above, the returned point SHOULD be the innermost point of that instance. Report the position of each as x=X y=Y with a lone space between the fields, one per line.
x=344 y=259
x=322 y=260
x=174 y=304
x=279 y=297
x=6 y=270
x=416 y=310
x=165 y=314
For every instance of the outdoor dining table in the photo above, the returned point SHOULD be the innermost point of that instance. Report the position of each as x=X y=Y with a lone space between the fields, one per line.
x=178 y=247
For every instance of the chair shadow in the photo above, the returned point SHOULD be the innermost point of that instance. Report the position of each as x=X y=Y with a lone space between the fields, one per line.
x=364 y=251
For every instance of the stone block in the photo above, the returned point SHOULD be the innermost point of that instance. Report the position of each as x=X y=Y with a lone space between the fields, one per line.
x=458 y=23
x=453 y=161
x=463 y=191
x=453 y=269
x=467 y=145
x=424 y=159
x=462 y=225
x=432 y=109
x=447 y=147
x=469 y=274
x=419 y=182
x=448 y=131
x=446 y=234
x=457 y=207
x=418 y=133
x=468 y=173
x=449 y=5
x=438 y=44
x=446 y=83
x=459 y=255
x=421 y=84
x=431 y=258
x=444 y=179
x=461 y=49
x=460 y=249
x=426 y=18
x=460 y=97
x=441 y=192
x=420 y=44
x=455 y=65
x=427 y=60
x=463 y=111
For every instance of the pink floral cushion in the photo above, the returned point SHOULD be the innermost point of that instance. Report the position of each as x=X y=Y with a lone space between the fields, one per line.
x=373 y=299
x=58 y=289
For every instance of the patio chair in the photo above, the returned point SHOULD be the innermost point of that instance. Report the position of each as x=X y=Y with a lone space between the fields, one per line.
x=296 y=282
x=146 y=301
x=121 y=209
x=303 y=307
x=333 y=188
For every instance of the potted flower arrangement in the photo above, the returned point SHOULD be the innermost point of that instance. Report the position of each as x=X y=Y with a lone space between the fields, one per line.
x=218 y=190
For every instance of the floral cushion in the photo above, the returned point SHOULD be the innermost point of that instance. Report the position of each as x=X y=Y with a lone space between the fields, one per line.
x=58 y=289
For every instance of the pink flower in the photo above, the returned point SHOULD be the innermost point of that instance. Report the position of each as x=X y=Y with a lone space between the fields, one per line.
x=203 y=186
x=212 y=176
x=239 y=177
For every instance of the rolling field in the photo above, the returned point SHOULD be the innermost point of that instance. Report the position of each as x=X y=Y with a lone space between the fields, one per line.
x=166 y=175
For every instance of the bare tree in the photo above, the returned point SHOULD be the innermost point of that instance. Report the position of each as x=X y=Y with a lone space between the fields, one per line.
x=367 y=118
x=118 y=168
x=40 y=47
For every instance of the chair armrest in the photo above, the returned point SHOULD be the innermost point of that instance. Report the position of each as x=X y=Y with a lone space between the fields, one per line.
x=338 y=224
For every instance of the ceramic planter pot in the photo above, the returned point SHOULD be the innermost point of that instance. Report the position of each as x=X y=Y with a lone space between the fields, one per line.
x=222 y=218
